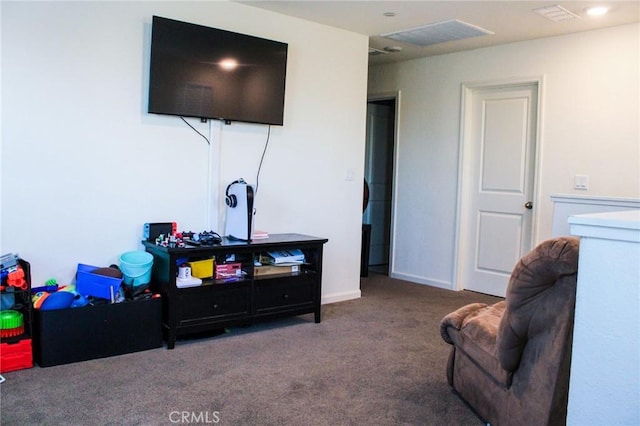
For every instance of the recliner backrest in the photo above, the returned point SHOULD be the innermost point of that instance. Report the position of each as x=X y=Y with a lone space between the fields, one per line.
x=531 y=298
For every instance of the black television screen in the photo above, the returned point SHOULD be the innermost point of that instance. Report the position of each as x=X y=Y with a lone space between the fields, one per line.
x=204 y=72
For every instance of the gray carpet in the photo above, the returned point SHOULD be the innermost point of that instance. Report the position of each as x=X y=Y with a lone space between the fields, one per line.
x=378 y=360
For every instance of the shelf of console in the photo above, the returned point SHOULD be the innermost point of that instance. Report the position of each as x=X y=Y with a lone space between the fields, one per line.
x=216 y=304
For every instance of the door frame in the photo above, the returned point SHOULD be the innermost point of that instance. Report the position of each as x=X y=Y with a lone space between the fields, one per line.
x=395 y=96
x=464 y=165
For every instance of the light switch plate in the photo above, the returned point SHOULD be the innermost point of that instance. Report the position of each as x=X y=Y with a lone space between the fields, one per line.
x=581 y=182
x=349 y=174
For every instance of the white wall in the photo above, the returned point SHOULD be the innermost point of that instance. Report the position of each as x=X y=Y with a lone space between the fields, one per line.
x=589 y=125
x=84 y=165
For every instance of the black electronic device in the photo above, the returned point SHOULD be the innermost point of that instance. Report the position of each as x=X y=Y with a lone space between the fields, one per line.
x=210 y=238
x=204 y=72
x=151 y=231
x=205 y=238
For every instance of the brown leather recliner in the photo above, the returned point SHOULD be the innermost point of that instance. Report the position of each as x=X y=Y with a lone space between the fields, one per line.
x=510 y=361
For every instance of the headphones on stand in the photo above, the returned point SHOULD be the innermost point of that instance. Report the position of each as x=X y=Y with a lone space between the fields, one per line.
x=230 y=199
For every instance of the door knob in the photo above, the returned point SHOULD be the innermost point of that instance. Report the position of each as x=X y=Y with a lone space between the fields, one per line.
x=528 y=205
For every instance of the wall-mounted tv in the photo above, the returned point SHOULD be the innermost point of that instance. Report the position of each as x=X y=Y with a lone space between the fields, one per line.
x=209 y=73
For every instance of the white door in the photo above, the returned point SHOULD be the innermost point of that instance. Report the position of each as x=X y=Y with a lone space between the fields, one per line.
x=500 y=144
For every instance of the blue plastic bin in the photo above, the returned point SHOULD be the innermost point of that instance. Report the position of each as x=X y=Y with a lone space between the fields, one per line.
x=90 y=284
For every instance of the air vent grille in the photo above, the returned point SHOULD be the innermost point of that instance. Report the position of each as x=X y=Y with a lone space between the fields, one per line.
x=439 y=32
x=556 y=13
x=376 y=52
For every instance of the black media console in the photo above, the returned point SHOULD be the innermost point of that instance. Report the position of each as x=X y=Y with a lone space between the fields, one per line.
x=251 y=297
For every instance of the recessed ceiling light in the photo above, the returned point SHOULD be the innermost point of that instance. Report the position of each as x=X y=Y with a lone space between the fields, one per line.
x=389 y=14
x=597 y=11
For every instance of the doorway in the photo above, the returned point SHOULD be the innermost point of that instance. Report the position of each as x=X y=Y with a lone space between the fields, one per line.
x=500 y=129
x=378 y=174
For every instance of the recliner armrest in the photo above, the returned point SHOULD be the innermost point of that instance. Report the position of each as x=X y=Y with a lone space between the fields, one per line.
x=457 y=318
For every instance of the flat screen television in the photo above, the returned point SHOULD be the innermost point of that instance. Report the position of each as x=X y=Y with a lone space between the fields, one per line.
x=209 y=73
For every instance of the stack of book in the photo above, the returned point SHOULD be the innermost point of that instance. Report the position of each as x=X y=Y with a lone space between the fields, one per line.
x=279 y=262
x=283 y=257
x=259 y=235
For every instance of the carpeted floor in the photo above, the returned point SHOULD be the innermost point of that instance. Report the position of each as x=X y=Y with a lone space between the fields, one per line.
x=377 y=360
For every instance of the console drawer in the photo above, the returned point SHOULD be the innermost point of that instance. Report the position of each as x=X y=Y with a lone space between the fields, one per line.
x=278 y=294
x=206 y=304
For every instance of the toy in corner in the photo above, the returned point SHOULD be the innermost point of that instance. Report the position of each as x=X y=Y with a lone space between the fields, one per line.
x=166 y=235
x=239 y=198
x=151 y=231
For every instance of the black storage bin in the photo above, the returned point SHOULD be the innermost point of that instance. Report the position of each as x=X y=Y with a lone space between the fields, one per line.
x=78 y=334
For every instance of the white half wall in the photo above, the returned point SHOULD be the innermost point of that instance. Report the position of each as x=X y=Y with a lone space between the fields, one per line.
x=605 y=372
x=589 y=126
x=84 y=166
x=565 y=206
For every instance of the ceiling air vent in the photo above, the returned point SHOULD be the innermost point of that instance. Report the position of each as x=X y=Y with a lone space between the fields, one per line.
x=556 y=13
x=438 y=32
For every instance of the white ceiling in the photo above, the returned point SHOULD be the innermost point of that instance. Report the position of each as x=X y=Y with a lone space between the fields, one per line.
x=510 y=21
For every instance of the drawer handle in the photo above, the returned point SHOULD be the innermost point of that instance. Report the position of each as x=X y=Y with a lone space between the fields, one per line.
x=285 y=296
x=216 y=306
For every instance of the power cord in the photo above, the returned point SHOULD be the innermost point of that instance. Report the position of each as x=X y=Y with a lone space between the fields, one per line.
x=264 y=151
x=195 y=130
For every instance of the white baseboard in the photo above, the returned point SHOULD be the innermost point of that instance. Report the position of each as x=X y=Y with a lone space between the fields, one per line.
x=422 y=280
x=340 y=297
